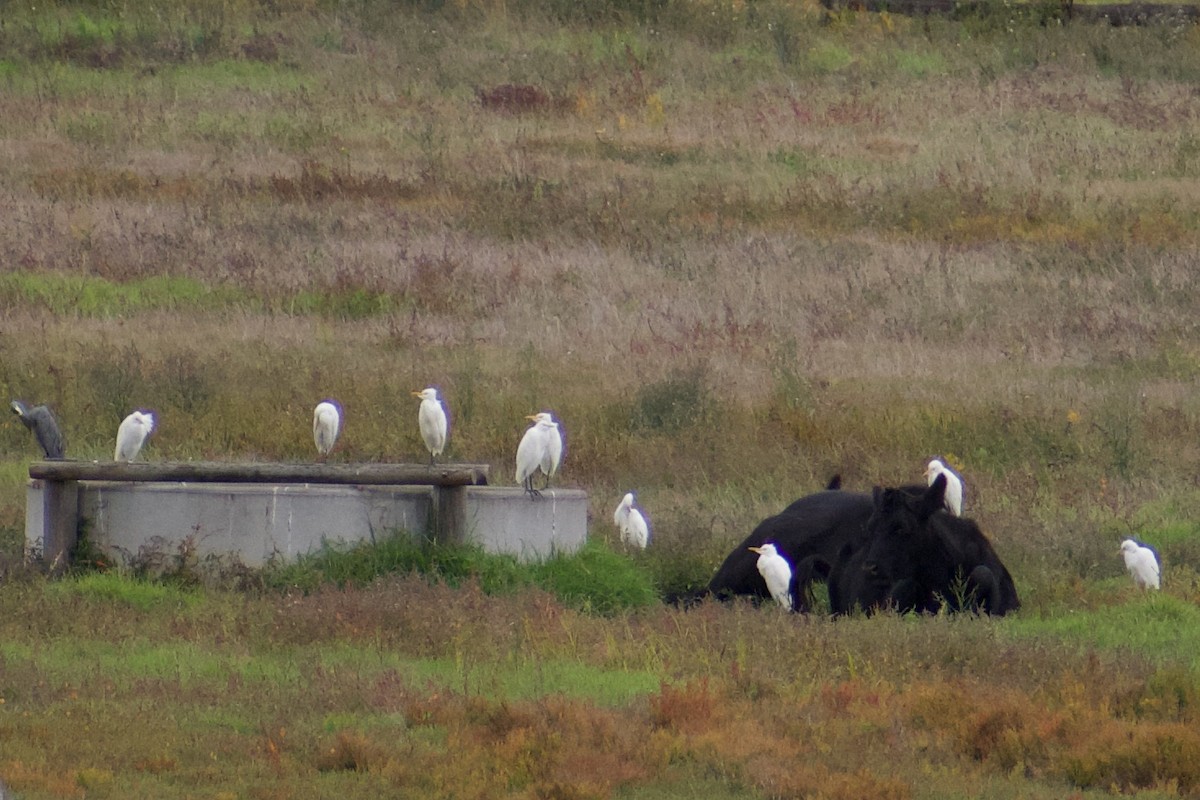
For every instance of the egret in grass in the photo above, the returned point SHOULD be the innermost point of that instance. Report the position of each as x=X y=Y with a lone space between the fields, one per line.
x=131 y=435
x=954 y=487
x=327 y=422
x=40 y=420
x=540 y=448
x=631 y=523
x=1141 y=563
x=431 y=419
x=777 y=572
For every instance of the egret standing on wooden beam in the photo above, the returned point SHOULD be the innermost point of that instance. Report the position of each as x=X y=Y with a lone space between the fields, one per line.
x=540 y=448
x=431 y=419
x=631 y=523
x=40 y=420
x=954 y=487
x=131 y=435
x=1141 y=563
x=327 y=421
x=777 y=572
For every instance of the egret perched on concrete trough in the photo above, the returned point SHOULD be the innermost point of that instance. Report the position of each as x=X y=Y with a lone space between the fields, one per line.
x=954 y=487
x=631 y=523
x=131 y=435
x=327 y=421
x=1141 y=563
x=40 y=420
x=431 y=419
x=777 y=572
x=540 y=448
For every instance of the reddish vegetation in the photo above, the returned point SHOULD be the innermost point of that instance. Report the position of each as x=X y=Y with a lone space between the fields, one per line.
x=514 y=99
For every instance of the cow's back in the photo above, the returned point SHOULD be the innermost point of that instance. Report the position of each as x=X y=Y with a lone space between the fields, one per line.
x=816 y=525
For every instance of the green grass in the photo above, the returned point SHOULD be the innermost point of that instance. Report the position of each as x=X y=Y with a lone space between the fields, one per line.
x=115 y=589
x=593 y=579
x=1160 y=627
x=99 y=297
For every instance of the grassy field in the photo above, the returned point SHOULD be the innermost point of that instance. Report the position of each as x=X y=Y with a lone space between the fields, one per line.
x=736 y=248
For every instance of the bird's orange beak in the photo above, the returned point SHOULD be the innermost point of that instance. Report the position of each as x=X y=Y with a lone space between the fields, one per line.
x=415 y=394
x=755 y=550
x=531 y=416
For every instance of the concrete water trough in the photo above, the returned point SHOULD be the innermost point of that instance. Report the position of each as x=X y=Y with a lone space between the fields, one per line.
x=257 y=513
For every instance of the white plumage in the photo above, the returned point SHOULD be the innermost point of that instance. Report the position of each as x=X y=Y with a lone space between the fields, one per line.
x=776 y=572
x=431 y=419
x=631 y=523
x=131 y=435
x=1141 y=563
x=540 y=448
x=954 y=487
x=327 y=421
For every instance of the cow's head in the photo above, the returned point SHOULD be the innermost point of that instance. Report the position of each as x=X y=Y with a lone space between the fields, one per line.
x=899 y=536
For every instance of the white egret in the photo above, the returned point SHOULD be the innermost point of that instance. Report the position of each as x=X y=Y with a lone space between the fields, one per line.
x=131 y=435
x=540 y=448
x=631 y=523
x=954 y=487
x=327 y=422
x=554 y=447
x=40 y=420
x=431 y=419
x=1141 y=563
x=776 y=572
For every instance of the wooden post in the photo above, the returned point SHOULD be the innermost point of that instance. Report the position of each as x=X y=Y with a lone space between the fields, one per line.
x=60 y=523
x=450 y=514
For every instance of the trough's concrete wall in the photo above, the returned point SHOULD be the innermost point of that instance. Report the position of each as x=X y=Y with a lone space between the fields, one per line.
x=259 y=522
x=505 y=520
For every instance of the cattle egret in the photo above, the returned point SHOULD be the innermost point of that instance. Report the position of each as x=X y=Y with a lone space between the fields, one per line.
x=631 y=523
x=431 y=419
x=554 y=448
x=540 y=448
x=131 y=435
x=40 y=420
x=327 y=423
x=776 y=572
x=954 y=487
x=1141 y=563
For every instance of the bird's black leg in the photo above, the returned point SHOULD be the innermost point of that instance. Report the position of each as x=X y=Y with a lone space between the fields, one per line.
x=532 y=492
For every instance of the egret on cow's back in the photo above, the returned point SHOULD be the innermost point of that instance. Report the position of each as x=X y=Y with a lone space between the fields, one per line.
x=954 y=487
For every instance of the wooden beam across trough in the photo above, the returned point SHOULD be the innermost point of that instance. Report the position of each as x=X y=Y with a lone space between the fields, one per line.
x=229 y=472
x=58 y=515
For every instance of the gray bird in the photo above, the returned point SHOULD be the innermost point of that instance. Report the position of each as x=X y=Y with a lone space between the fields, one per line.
x=40 y=420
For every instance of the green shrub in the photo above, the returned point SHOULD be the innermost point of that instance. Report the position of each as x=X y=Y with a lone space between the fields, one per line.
x=596 y=579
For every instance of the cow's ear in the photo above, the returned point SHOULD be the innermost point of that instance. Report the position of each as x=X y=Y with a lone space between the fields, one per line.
x=934 y=498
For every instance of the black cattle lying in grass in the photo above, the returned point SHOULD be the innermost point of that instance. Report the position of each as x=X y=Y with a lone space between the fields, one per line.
x=810 y=533
x=896 y=548
x=917 y=557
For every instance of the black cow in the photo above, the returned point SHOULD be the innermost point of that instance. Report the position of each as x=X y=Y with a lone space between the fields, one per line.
x=918 y=557
x=809 y=534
